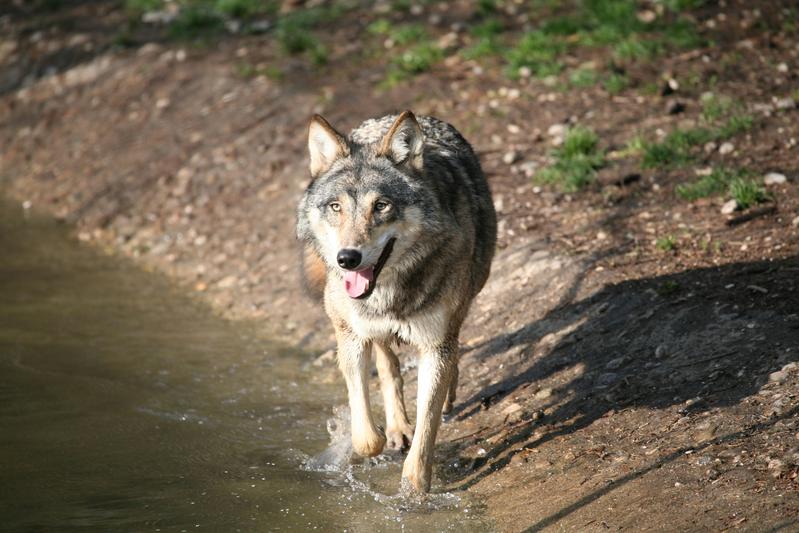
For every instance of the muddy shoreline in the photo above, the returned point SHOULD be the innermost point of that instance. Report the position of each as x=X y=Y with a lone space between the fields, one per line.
x=611 y=376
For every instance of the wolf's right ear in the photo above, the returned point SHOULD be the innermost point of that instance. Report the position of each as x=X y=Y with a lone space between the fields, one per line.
x=325 y=145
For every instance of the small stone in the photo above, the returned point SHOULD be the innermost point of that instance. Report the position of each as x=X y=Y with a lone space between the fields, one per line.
x=774 y=178
x=162 y=103
x=669 y=87
x=525 y=72
x=726 y=148
x=614 y=364
x=660 y=352
x=528 y=168
x=543 y=394
x=777 y=467
x=795 y=222
x=227 y=282
x=711 y=147
x=607 y=379
x=510 y=157
x=778 y=376
x=557 y=130
x=782 y=67
x=729 y=207
x=511 y=408
x=785 y=104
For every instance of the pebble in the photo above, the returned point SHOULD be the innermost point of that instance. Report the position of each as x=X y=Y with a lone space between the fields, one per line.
x=729 y=207
x=607 y=379
x=557 y=130
x=511 y=408
x=795 y=222
x=613 y=364
x=227 y=282
x=510 y=157
x=778 y=376
x=543 y=394
x=675 y=107
x=774 y=178
x=785 y=103
x=660 y=351
x=777 y=467
x=726 y=148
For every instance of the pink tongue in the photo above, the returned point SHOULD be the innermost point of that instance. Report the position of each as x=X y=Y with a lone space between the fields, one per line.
x=357 y=282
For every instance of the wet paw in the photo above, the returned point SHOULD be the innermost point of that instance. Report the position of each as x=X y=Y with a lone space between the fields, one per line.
x=369 y=444
x=399 y=438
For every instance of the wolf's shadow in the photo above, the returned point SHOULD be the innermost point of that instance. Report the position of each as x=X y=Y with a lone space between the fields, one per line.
x=708 y=335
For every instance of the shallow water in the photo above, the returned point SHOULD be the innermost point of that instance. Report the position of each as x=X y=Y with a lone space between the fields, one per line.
x=126 y=406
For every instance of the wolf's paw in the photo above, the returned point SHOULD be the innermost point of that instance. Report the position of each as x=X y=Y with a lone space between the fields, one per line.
x=415 y=480
x=447 y=407
x=369 y=443
x=399 y=437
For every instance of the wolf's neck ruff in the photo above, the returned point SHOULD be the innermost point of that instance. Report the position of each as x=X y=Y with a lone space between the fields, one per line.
x=361 y=283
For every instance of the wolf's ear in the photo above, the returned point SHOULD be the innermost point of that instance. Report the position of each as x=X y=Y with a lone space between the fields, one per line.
x=404 y=142
x=325 y=145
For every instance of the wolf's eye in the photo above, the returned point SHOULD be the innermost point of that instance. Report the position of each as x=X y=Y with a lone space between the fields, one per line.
x=381 y=206
x=335 y=207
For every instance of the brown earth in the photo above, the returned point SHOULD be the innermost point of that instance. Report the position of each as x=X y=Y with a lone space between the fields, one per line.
x=605 y=383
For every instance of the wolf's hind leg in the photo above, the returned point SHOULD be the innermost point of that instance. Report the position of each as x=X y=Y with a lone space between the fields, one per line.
x=398 y=430
x=353 y=359
x=452 y=392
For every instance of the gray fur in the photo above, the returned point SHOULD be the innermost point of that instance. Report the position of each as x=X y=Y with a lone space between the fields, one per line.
x=443 y=226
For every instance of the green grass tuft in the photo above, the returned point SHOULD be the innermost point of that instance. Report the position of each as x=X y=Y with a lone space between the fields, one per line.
x=576 y=161
x=716 y=182
x=196 y=22
x=675 y=149
x=666 y=243
x=538 y=52
x=583 y=77
x=746 y=192
x=616 y=83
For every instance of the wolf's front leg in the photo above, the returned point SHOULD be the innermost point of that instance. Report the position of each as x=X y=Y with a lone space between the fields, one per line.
x=353 y=359
x=399 y=431
x=435 y=374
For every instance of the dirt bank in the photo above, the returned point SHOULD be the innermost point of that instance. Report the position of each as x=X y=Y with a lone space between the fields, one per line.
x=630 y=363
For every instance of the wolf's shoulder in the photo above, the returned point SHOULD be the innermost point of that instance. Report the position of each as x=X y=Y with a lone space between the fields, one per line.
x=435 y=130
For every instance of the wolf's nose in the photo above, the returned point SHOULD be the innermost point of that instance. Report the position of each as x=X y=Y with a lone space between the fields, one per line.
x=348 y=258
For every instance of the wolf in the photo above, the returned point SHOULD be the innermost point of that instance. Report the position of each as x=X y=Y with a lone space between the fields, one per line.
x=398 y=231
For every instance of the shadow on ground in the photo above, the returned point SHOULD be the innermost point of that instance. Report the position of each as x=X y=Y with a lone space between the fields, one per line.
x=700 y=339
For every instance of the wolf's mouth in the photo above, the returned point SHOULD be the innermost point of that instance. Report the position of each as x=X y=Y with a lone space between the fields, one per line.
x=360 y=283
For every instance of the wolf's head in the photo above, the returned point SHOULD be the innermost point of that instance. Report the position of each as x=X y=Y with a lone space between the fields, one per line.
x=363 y=211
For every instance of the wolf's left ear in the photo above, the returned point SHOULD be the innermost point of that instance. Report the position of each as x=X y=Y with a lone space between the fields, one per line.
x=404 y=142
x=325 y=145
